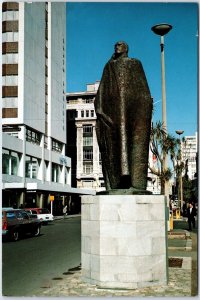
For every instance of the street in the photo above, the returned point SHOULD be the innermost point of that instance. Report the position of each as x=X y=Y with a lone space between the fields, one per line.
x=33 y=262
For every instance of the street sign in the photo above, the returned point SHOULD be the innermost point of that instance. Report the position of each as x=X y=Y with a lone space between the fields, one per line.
x=51 y=198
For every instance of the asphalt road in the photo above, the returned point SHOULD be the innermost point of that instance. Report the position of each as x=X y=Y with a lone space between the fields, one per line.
x=32 y=262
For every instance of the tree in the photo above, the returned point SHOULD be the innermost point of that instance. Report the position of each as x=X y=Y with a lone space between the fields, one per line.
x=162 y=144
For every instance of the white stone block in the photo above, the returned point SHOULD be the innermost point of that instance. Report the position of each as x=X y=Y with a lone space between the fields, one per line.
x=158 y=245
x=127 y=211
x=85 y=212
x=108 y=246
x=86 y=244
x=109 y=212
x=150 y=229
x=156 y=211
x=95 y=245
x=127 y=277
x=90 y=228
x=117 y=264
x=115 y=229
x=94 y=212
x=95 y=263
x=86 y=261
x=139 y=247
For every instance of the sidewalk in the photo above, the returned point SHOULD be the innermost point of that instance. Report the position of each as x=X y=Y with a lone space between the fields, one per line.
x=66 y=217
x=182 y=273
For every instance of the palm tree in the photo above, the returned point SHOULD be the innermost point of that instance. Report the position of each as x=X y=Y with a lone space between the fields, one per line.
x=163 y=143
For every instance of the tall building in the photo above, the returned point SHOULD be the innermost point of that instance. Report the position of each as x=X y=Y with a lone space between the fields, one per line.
x=189 y=155
x=34 y=164
x=82 y=142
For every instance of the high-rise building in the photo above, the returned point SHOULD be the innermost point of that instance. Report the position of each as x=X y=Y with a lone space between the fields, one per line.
x=34 y=164
x=189 y=155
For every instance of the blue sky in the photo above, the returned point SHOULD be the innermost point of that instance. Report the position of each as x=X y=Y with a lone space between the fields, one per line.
x=94 y=27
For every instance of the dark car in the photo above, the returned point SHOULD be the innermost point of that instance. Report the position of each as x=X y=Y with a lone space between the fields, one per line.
x=17 y=222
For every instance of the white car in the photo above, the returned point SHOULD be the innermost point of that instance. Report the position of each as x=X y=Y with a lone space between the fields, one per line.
x=43 y=214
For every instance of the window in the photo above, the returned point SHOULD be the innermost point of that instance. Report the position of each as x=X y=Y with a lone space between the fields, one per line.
x=31 y=167
x=87 y=129
x=33 y=136
x=89 y=100
x=55 y=172
x=10 y=162
x=56 y=146
x=10 y=215
x=87 y=113
x=82 y=114
x=87 y=168
x=14 y=163
x=87 y=154
x=92 y=113
x=5 y=161
x=87 y=141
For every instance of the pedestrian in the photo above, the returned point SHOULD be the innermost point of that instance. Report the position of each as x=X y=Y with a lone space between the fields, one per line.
x=191 y=213
x=65 y=211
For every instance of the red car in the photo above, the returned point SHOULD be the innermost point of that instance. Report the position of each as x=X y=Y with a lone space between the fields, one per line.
x=17 y=222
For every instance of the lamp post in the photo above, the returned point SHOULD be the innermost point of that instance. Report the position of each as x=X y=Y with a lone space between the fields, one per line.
x=179 y=132
x=162 y=29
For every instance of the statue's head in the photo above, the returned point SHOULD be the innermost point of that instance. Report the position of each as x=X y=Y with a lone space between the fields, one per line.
x=121 y=48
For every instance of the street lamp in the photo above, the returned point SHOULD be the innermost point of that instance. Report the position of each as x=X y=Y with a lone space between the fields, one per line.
x=162 y=29
x=179 y=132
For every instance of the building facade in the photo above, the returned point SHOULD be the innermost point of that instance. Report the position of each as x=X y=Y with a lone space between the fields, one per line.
x=34 y=163
x=82 y=141
x=82 y=144
x=189 y=149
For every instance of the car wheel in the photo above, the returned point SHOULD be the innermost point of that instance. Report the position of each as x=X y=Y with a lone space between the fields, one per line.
x=15 y=236
x=36 y=231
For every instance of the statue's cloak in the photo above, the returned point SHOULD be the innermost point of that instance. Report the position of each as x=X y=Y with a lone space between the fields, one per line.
x=123 y=107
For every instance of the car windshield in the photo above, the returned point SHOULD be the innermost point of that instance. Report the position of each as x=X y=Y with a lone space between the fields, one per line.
x=10 y=215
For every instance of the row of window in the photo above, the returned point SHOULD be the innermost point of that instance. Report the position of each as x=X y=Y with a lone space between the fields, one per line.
x=76 y=101
x=10 y=37
x=87 y=113
x=10 y=80
x=87 y=128
x=35 y=137
x=10 y=15
x=11 y=161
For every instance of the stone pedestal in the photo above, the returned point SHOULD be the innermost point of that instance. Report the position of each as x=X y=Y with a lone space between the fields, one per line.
x=124 y=240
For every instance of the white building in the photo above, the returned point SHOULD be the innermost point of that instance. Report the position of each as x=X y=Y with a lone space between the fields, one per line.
x=34 y=164
x=82 y=141
x=189 y=155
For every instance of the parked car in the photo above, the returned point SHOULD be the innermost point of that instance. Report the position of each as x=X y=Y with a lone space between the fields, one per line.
x=16 y=223
x=43 y=214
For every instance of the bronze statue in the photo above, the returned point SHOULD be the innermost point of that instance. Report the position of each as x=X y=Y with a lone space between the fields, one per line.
x=123 y=107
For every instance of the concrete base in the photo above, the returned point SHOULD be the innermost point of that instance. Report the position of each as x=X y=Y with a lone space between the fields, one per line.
x=124 y=241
